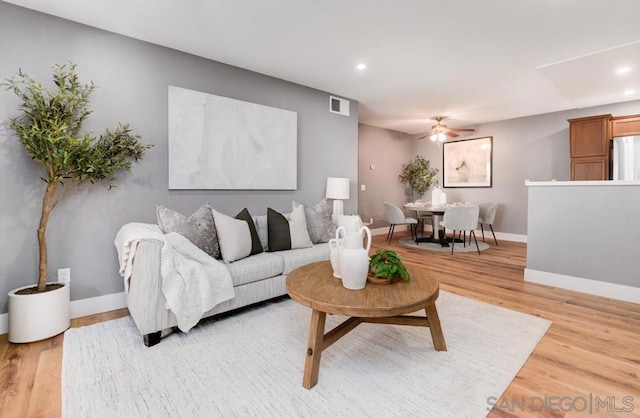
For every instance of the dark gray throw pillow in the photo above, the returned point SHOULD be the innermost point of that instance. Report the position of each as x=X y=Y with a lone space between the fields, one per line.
x=279 y=234
x=199 y=228
x=287 y=232
x=256 y=247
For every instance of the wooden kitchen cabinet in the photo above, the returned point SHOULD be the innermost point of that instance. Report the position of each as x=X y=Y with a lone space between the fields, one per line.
x=587 y=169
x=589 y=147
x=625 y=125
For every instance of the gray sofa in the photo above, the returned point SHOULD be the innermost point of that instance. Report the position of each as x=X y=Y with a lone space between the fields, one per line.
x=255 y=279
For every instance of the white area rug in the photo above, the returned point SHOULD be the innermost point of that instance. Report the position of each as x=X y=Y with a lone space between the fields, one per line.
x=251 y=364
x=432 y=246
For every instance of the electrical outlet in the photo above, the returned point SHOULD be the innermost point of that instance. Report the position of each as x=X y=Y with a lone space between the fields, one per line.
x=370 y=220
x=64 y=275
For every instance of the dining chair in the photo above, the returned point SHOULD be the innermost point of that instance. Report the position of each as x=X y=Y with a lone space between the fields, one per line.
x=424 y=217
x=487 y=217
x=462 y=218
x=395 y=216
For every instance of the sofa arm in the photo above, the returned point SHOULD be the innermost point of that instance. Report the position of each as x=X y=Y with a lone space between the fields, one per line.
x=146 y=302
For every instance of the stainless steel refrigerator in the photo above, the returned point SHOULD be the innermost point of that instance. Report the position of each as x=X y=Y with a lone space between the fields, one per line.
x=626 y=158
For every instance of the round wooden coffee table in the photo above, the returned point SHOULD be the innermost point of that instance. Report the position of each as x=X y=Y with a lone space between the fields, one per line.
x=313 y=285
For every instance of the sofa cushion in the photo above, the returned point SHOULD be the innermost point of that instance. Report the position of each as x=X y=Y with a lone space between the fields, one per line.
x=299 y=257
x=199 y=228
x=319 y=222
x=287 y=232
x=257 y=267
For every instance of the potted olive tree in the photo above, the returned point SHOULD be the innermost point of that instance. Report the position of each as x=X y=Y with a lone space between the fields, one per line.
x=418 y=176
x=49 y=129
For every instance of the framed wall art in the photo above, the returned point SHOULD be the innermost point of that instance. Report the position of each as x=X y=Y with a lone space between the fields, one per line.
x=468 y=163
x=220 y=143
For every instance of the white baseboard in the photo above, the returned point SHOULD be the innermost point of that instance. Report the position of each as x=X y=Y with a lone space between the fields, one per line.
x=98 y=304
x=502 y=236
x=83 y=307
x=385 y=229
x=579 y=284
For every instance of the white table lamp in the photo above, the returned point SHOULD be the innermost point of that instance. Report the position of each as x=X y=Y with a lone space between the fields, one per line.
x=338 y=190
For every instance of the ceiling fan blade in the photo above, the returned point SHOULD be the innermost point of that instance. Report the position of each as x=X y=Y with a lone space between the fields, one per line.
x=424 y=136
x=462 y=130
x=451 y=134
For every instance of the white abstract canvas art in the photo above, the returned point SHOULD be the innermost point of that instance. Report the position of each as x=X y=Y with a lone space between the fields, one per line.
x=220 y=143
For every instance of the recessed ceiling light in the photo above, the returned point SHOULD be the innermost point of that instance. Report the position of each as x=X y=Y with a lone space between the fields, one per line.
x=361 y=67
x=629 y=92
x=623 y=70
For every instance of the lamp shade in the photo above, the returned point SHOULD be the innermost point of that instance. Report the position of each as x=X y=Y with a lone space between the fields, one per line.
x=337 y=188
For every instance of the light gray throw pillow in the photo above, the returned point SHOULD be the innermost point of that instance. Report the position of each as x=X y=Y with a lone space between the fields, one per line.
x=319 y=222
x=199 y=228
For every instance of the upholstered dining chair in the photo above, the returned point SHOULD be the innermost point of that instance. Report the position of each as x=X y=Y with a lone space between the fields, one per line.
x=487 y=217
x=423 y=217
x=462 y=218
x=395 y=216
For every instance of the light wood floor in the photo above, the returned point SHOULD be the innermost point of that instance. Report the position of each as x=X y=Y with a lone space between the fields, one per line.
x=591 y=351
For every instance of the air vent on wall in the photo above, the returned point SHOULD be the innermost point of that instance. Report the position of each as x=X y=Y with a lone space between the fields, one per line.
x=339 y=106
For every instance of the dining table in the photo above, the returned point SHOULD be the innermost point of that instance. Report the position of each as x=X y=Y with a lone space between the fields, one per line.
x=437 y=212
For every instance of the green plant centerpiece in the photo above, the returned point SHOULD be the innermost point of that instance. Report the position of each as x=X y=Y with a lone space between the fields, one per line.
x=418 y=175
x=49 y=130
x=386 y=267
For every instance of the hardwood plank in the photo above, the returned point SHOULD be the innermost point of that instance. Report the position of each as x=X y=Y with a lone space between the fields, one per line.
x=46 y=397
x=17 y=375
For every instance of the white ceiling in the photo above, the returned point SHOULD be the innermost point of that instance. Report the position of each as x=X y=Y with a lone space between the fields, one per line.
x=474 y=61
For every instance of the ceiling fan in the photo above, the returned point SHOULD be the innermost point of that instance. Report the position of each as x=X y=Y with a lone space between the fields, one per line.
x=440 y=132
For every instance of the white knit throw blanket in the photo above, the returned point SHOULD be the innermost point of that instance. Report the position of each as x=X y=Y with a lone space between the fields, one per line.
x=192 y=281
x=126 y=242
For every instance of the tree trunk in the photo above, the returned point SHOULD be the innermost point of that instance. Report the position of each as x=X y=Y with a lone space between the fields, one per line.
x=42 y=240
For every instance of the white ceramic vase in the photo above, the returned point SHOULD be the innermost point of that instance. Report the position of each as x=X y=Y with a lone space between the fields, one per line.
x=40 y=315
x=335 y=247
x=354 y=260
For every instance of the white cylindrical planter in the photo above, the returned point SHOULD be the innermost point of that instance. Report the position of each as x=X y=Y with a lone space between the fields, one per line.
x=40 y=315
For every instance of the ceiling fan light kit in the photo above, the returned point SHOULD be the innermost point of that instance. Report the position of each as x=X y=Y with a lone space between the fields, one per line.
x=440 y=132
x=438 y=137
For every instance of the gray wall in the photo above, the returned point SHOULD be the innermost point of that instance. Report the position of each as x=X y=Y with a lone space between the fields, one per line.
x=387 y=151
x=132 y=79
x=535 y=148
x=585 y=231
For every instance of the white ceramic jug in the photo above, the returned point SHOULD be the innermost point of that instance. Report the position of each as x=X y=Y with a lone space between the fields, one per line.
x=354 y=259
x=335 y=246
